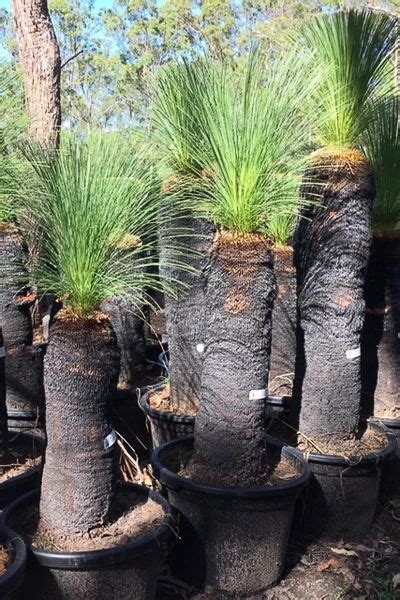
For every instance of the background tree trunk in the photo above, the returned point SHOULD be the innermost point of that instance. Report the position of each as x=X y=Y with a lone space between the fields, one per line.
x=40 y=60
x=128 y=324
x=81 y=374
x=382 y=326
x=283 y=349
x=185 y=314
x=3 y=408
x=229 y=428
x=331 y=254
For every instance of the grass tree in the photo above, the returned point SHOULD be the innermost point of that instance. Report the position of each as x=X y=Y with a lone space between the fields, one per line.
x=94 y=210
x=382 y=146
x=283 y=348
x=332 y=241
x=254 y=161
x=179 y=136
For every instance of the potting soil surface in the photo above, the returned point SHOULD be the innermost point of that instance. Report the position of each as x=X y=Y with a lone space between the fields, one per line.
x=371 y=442
x=5 y=560
x=140 y=518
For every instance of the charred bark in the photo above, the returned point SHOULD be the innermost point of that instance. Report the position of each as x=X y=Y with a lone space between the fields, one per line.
x=128 y=325
x=15 y=318
x=81 y=373
x=3 y=407
x=229 y=428
x=40 y=60
x=283 y=349
x=382 y=326
x=185 y=323
x=331 y=253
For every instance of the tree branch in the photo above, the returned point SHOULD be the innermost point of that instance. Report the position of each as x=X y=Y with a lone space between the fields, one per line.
x=64 y=64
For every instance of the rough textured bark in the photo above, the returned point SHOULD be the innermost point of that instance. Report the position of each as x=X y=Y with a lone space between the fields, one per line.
x=229 y=428
x=283 y=349
x=185 y=315
x=15 y=318
x=24 y=364
x=81 y=373
x=3 y=408
x=40 y=60
x=382 y=326
x=331 y=254
x=128 y=325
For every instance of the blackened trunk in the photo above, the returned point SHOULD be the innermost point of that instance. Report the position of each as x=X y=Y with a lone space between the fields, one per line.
x=128 y=323
x=81 y=373
x=3 y=408
x=229 y=428
x=382 y=326
x=283 y=349
x=184 y=315
x=331 y=254
x=15 y=316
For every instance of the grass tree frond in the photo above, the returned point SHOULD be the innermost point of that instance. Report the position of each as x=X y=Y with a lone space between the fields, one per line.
x=177 y=130
x=13 y=122
x=94 y=207
x=256 y=140
x=354 y=48
x=382 y=146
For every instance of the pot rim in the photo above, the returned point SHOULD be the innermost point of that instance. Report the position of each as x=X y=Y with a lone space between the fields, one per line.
x=390 y=423
x=11 y=579
x=160 y=415
x=8 y=484
x=174 y=481
x=335 y=459
x=105 y=558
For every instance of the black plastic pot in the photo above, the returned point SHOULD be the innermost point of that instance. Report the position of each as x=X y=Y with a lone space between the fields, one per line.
x=12 y=488
x=390 y=486
x=123 y=572
x=164 y=426
x=24 y=420
x=235 y=536
x=12 y=579
x=343 y=494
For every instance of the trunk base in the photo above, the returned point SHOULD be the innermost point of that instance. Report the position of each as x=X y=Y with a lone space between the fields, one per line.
x=102 y=574
x=236 y=537
x=343 y=495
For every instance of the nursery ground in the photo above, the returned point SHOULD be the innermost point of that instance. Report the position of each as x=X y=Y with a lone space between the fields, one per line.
x=368 y=570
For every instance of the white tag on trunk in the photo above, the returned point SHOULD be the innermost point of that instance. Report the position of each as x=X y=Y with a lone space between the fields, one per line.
x=355 y=353
x=398 y=335
x=200 y=348
x=110 y=440
x=2 y=352
x=164 y=338
x=258 y=394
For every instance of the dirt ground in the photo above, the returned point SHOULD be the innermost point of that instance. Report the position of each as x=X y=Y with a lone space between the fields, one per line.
x=368 y=570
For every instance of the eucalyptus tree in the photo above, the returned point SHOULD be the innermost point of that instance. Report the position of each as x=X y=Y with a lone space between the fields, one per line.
x=332 y=241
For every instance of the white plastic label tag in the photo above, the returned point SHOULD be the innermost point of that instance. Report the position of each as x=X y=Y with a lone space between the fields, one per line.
x=200 y=348
x=2 y=352
x=258 y=394
x=355 y=353
x=110 y=440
